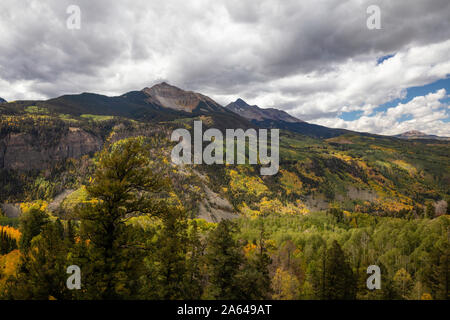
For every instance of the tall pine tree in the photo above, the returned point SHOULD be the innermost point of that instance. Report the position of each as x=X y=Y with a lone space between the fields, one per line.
x=339 y=280
x=224 y=259
x=124 y=186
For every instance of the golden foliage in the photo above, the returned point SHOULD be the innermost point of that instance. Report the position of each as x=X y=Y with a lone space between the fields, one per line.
x=285 y=285
x=39 y=205
x=249 y=249
x=10 y=231
x=290 y=182
x=242 y=183
x=426 y=296
x=8 y=266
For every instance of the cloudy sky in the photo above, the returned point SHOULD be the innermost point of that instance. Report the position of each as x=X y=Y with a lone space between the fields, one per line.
x=316 y=59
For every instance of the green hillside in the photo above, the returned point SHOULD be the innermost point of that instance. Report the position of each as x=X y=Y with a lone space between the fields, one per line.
x=373 y=174
x=99 y=190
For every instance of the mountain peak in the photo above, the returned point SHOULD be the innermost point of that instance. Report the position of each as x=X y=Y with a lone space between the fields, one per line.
x=412 y=134
x=256 y=113
x=2 y=100
x=415 y=134
x=241 y=102
x=172 y=97
x=161 y=86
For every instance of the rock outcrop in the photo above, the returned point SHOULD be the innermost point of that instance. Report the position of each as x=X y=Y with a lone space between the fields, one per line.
x=18 y=152
x=11 y=210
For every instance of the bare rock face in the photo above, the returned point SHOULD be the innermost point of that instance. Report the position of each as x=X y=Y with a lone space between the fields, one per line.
x=440 y=208
x=54 y=205
x=11 y=210
x=175 y=98
x=18 y=152
x=214 y=208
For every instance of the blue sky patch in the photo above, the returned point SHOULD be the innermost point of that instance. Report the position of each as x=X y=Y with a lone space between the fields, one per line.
x=384 y=58
x=411 y=93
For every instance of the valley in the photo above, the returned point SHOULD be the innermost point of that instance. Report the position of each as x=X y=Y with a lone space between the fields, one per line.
x=375 y=196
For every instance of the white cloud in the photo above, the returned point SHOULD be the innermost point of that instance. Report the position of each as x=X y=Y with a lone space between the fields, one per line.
x=424 y=113
x=358 y=85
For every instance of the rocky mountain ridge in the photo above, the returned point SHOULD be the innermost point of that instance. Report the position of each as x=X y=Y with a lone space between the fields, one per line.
x=256 y=113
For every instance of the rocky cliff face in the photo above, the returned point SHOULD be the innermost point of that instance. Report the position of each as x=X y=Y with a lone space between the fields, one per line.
x=18 y=152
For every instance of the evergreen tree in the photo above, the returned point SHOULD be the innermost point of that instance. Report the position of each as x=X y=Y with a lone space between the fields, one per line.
x=255 y=278
x=316 y=268
x=429 y=211
x=195 y=279
x=339 y=281
x=7 y=243
x=124 y=186
x=42 y=270
x=31 y=224
x=437 y=274
x=224 y=259
x=172 y=245
x=70 y=232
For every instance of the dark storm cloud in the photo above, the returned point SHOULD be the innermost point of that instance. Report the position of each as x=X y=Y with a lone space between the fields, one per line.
x=220 y=48
x=38 y=47
x=315 y=35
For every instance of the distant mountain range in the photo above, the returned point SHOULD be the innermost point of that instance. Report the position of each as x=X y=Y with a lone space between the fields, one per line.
x=274 y=118
x=161 y=102
x=414 y=134
x=164 y=102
